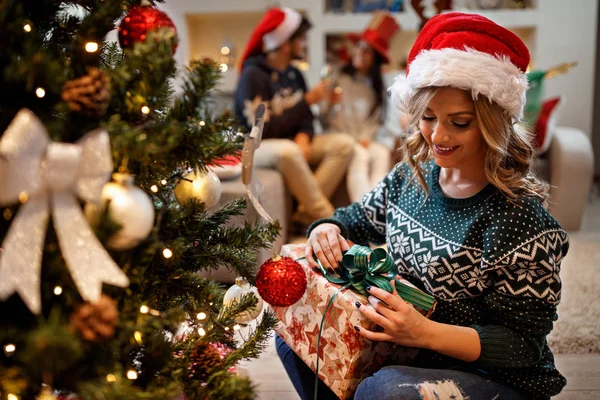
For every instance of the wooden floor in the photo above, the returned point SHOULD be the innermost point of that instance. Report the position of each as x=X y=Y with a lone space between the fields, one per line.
x=582 y=372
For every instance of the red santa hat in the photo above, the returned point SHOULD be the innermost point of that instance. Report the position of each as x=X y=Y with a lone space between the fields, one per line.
x=275 y=28
x=470 y=52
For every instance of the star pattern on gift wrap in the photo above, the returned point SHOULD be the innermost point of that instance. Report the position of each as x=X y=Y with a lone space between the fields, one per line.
x=313 y=297
x=352 y=339
x=296 y=330
x=334 y=315
x=312 y=337
x=332 y=368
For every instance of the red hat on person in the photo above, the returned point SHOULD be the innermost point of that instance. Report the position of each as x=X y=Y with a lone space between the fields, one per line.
x=378 y=33
x=275 y=28
x=470 y=52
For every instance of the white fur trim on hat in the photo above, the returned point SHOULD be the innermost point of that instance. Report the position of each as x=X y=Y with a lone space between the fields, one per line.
x=494 y=77
x=278 y=36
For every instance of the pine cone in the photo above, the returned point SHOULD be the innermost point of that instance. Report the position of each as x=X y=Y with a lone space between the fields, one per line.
x=203 y=359
x=95 y=321
x=90 y=94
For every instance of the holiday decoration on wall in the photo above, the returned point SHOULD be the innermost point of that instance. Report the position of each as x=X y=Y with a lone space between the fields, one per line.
x=543 y=114
x=281 y=281
x=199 y=186
x=129 y=206
x=88 y=95
x=234 y=294
x=95 y=321
x=140 y=21
x=429 y=9
x=46 y=178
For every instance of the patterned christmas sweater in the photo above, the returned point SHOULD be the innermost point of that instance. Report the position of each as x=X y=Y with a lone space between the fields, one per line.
x=491 y=264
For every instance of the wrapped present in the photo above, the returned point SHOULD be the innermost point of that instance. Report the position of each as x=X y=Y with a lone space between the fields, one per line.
x=322 y=321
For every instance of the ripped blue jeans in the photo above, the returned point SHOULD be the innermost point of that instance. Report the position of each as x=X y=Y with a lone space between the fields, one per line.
x=399 y=382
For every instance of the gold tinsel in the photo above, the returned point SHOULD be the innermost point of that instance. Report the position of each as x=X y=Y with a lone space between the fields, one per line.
x=90 y=94
x=95 y=321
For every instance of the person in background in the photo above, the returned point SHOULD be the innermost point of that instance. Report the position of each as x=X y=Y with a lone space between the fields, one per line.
x=464 y=220
x=288 y=145
x=358 y=105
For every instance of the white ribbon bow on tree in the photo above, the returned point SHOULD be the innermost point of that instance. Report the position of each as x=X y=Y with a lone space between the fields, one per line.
x=45 y=176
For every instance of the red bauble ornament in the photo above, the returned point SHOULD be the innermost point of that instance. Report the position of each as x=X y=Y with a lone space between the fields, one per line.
x=141 y=20
x=281 y=281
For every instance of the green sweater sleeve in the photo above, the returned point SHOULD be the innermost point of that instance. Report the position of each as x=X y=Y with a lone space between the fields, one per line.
x=522 y=305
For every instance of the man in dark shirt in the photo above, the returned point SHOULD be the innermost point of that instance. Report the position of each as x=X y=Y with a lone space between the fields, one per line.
x=289 y=143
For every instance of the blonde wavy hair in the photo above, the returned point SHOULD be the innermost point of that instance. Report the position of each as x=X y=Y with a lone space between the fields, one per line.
x=509 y=150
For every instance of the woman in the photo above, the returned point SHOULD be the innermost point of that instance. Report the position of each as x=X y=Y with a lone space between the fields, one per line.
x=464 y=220
x=360 y=103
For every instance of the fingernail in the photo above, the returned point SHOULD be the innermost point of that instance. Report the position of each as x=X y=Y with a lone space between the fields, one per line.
x=368 y=288
x=357 y=328
x=357 y=304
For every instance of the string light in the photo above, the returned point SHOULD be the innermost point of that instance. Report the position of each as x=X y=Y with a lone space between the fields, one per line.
x=91 y=47
x=40 y=92
x=111 y=378
x=145 y=110
x=144 y=309
x=201 y=332
x=167 y=253
x=27 y=28
x=201 y=316
x=12 y=397
x=225 y=50
x=223 y=67
x=9 y=348
x=138 y=336
x=23 y=197
x=154 y=188
x=131 y=374
x=226 y=328
x=236 y=327
x=202 y=123
x=57 y=290
x=163 y=182
x=210 y=304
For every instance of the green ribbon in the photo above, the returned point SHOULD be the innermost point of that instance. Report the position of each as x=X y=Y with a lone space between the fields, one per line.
x=362 y=267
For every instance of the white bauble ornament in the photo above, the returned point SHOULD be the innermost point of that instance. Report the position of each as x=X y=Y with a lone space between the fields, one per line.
x=130 y=207
x=204 y=187
x=235 y=293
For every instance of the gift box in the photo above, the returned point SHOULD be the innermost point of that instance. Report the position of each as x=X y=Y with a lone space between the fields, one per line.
x=345 y=357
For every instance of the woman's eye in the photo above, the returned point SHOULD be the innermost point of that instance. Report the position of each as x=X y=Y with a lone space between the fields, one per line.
x=426 y=118
x=461 y=124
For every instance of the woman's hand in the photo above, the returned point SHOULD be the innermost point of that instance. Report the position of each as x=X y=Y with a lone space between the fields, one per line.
x=326 y=242
x=401 y=322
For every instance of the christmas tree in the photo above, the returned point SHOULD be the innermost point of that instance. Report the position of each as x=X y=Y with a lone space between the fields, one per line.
x=100 y=296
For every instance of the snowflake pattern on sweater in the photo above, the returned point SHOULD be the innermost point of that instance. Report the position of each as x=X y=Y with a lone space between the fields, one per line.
x=492 y=264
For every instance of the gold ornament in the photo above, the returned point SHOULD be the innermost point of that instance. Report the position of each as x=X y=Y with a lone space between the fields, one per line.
x=203 y=187
x=234 y=295
x=129 y=206
x=95 y=321
x=89 y=94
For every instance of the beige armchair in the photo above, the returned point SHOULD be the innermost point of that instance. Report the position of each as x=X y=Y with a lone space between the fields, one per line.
x=569 y=170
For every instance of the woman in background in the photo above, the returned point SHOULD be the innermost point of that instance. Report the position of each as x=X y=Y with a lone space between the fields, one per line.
x=359 y=100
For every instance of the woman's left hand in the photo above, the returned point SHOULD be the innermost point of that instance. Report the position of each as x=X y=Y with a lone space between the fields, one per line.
x=401 y=322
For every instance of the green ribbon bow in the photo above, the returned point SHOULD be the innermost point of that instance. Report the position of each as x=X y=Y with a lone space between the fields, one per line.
x=362 y=267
